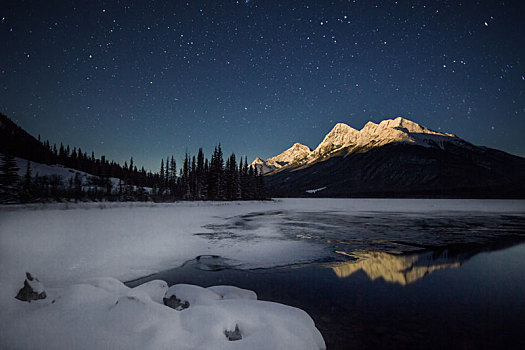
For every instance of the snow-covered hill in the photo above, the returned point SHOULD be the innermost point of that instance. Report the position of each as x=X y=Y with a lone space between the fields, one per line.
x=344 y=140
x=59 y=172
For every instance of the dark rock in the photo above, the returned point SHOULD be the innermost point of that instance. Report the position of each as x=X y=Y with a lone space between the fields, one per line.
x=233 y=335
x=176 y=303
x=32 y=290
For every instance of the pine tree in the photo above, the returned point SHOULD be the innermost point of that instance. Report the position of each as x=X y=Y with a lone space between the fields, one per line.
x=205 y=175
x=77 y=187
x=8 y=179
x=259 y=185
x=161 y=178
x=27 y=184
x=213 y=176
x=173 y=175
x=167 y=176
x=27 y=177
x=186 y=189
x=220 y=174
x=199 y=176
x=228 y=188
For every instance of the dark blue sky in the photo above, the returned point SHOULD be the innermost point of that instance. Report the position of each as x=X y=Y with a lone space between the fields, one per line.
x=151 y=79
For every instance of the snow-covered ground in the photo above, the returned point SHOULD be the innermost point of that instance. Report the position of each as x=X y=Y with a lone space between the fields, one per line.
x=65 y=173
x=70 y=246
x=103 y=313
x=65 y=242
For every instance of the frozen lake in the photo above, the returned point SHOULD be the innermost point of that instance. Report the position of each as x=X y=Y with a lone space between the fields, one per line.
x=431 y=279
x=469 y=297
x=370 y=272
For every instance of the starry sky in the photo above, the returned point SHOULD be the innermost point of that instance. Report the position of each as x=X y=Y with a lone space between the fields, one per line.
x=150 y=79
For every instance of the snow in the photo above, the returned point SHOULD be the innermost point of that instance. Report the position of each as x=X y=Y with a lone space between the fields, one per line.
x=64 y=242
x=316 y=190
x=292 y=155
x=104 y=313
x=35 y=285
x=341 y=135
x=68 y=247
x=345 y=138
x=54 y=170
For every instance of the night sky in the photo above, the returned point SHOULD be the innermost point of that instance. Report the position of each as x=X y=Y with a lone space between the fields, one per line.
x=151 y=79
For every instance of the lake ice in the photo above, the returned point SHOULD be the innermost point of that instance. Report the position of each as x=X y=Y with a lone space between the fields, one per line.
x=66 y=246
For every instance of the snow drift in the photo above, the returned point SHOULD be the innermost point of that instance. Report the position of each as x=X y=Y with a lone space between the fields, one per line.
x=103 y=313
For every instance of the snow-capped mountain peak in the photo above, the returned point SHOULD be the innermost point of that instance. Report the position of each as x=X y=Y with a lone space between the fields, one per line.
x=409 y=126
x=340 y=136
x=295 y=153
x=343 y=139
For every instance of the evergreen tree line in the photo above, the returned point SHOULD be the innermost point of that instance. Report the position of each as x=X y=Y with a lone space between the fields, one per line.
x=201 y=178
x=198 y=179
x=77 y=159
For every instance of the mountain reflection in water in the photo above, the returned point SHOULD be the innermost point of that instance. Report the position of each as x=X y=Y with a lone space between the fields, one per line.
x=402 y=269
x=406 y=268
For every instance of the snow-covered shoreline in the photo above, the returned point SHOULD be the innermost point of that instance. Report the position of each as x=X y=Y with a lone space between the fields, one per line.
x=69 y=245
x=103 y=313
x=68 y=242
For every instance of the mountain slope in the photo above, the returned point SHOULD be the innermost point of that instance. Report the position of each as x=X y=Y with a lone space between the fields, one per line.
x=399 y=158
x=16 y=141
x=404 y=170
x=343 y=140
x=293 y=155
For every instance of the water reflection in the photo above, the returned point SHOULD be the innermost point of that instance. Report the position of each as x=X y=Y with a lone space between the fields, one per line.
x=479 y=305
x=403 y=269
x=406 y=268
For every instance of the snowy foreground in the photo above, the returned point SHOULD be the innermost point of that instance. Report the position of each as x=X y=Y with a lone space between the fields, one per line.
x=69 y=248
x=105 y=314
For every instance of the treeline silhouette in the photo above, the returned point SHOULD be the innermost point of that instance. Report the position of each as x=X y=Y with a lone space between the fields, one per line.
x=98 y=179
x=199 y=178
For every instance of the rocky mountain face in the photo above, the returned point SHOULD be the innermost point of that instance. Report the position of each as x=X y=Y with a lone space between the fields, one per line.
x=343 y=140
x=293 y=155
x=395 y=158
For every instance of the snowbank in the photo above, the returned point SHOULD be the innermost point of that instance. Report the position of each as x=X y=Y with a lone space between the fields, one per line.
x=103 y=313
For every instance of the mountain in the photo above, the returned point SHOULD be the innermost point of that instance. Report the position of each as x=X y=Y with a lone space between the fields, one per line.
x=343 y=140
x=395 y=158
x=16 y=141
x=293 y=155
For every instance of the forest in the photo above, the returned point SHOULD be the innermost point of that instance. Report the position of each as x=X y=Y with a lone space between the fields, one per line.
x=98 y=179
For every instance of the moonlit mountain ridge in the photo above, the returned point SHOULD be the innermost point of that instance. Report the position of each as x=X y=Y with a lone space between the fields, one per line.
x=344 y=140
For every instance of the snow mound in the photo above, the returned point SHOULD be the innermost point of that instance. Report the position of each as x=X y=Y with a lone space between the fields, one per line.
x=103 y=313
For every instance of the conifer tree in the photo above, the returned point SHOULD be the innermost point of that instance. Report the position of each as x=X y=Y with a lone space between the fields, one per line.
x=161 y=178
x=167 y=175
x=27 y=177
x=185 y=179
x=27 y=184
x=173 y=175
x=199 y=175
x=8 y=179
